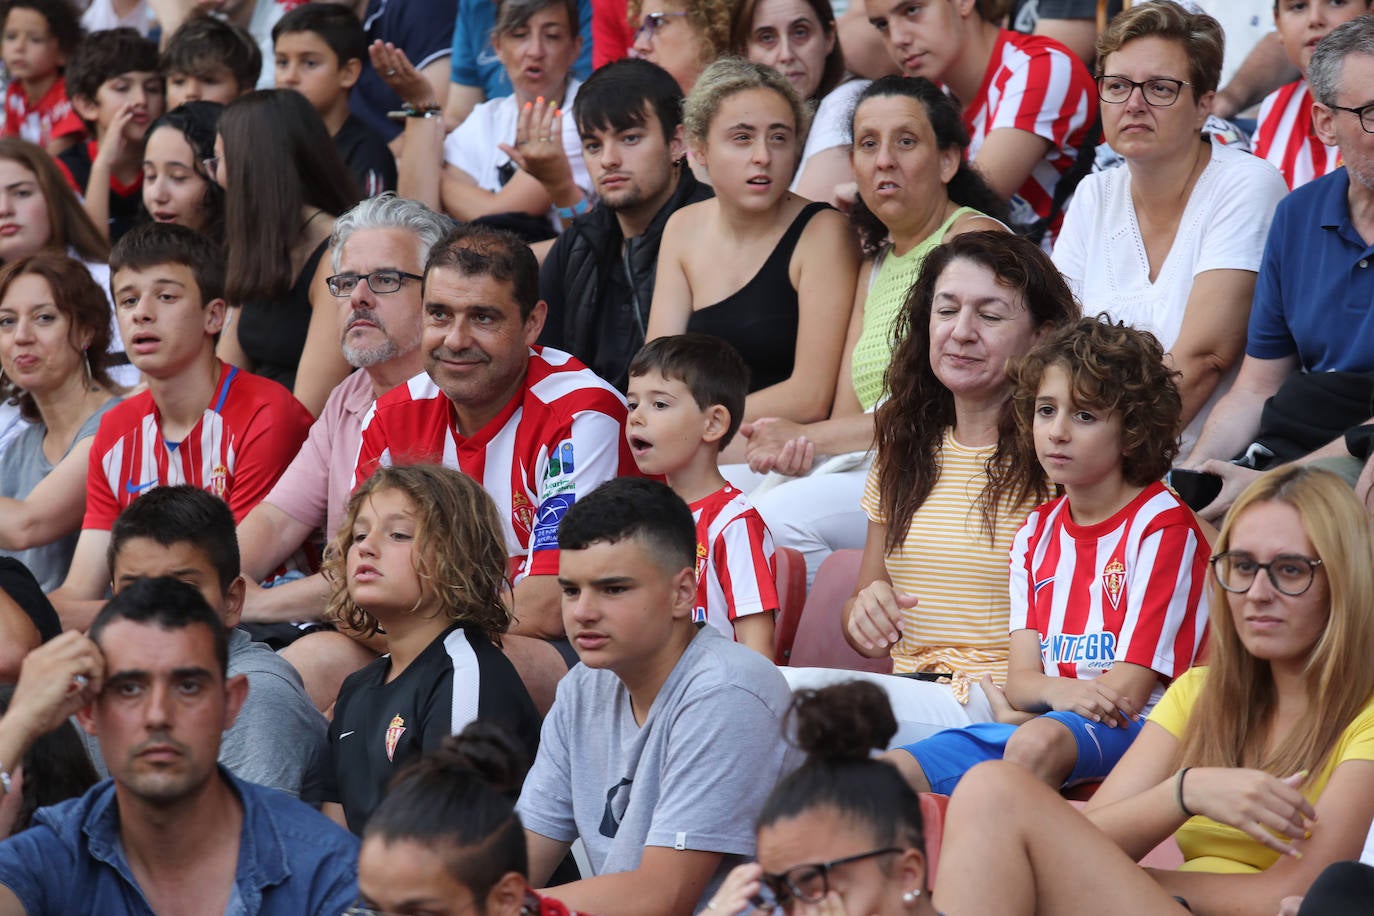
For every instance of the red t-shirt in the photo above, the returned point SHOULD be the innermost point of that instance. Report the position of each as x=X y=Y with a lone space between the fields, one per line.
x=39 y=123
x=736 y=570
x=1285 y=136
x=246 y=437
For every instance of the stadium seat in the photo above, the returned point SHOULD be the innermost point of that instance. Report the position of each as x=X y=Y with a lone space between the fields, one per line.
x=819 y=643
x=791 y=582
x=933 y=820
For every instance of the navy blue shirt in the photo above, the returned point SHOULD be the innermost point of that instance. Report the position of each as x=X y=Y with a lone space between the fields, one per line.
x=292 y=860
x=1314 y=297
x=421 y=28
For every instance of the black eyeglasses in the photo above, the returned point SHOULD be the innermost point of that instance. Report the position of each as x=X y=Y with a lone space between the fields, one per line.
x=1158 y=92
x=652 y=22
x=1365 y=114
x=362 y=909
x=810 y=883
x=1291 y=574
x=379 y=281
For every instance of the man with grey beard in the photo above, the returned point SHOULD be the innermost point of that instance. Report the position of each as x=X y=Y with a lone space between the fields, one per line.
x=378 y=249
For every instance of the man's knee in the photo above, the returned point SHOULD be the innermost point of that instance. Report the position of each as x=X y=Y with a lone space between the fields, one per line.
x=1045 y=747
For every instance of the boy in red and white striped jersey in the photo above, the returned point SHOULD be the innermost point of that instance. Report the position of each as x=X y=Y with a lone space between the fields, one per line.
x=686 y=401
x=1108 y=581
x=1284 y=135
x=201 y=421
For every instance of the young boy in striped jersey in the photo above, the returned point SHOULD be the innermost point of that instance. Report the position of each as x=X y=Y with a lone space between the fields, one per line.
x=1108 y=580
x=200 y=421
x=686 y=401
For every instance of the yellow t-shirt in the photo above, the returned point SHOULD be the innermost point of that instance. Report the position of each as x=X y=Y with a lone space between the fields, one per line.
x=961 y=579
x=1209 y=846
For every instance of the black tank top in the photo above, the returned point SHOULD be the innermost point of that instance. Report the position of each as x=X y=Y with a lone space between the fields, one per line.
x=272 y=334
x=760 y=320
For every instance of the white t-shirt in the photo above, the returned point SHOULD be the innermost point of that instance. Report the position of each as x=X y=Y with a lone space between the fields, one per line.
x=830 y=126
x=1223 y=227
x=101 y=15
x=472 y=146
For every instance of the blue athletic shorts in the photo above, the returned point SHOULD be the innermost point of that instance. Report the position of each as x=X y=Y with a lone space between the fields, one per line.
x=946 y=756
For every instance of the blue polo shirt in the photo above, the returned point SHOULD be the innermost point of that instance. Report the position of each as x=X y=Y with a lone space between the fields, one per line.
x=1314 y=297
x=292 y=861
x=474 y=61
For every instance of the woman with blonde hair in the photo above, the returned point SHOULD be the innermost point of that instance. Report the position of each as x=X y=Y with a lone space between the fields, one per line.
x=1258 y=764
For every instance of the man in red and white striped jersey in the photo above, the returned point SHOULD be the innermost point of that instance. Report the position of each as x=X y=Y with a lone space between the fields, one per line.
x=200 y=422
x=534 y=425
x=1027 y=100
x=1285 y=135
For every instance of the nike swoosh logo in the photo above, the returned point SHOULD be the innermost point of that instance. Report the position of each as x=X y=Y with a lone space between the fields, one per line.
x=344 y=735
x=130 y=487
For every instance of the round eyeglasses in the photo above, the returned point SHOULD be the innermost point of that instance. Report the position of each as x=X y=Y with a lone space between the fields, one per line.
x=1291 y=574
x=1158 y=92
x=810 y=883
x=379 y=281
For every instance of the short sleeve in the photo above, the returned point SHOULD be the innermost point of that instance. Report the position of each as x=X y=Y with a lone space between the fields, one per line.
x=1020 y=580
x=579 y=458
x=724 y=757
x=546 y=802
x=302 y=491
x=102 y=507
x=1268 y=335
x=373 y=450
x=1172 y=711
x=274 y=436
x=1046 y=95
x=1239 y=214
x=465 y=50
x=743 y=559
x=1166 y=601
x=1074 y=238
x=32 y=865
x=871 y=502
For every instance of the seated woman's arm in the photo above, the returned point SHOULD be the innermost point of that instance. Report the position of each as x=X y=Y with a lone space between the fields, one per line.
x=1212 y=338
x=322 y=364
x=53 y=508
x=828 y=260
x=229 y=349
x=872 y=619
x=463 y=199
x=672 y=304
x=1342 y=818
x=848 y=429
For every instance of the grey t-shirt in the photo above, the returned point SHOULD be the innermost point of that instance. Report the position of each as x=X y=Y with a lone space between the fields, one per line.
x=278 y=735
x=22 y=466
x=694 y=776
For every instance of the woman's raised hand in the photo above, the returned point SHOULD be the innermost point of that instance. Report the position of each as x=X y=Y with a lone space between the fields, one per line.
x=875 y=619
x=1270 y=810
x=538 y=147
x=396 y=70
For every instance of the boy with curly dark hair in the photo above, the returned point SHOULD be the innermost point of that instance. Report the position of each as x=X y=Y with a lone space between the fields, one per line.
x=1108 y=579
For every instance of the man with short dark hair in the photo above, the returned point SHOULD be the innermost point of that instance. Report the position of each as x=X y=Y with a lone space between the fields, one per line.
x=663 y=744
x=598 y=279
x=534 y=425
x=173 y=832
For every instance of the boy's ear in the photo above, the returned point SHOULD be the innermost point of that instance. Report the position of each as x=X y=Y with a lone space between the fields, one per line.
x=214 y=316
x=349 y=73
x=684 y=592
x=86 y=108
x=717 y=422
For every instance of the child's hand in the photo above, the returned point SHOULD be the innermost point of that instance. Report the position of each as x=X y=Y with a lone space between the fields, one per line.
x=1094 y=700
x=116 y=144
x=1270 y=810
x=875 y=620
x=538 y=147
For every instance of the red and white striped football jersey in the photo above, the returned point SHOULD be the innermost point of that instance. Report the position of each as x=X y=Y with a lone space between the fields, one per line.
x=244 y=440
x=736 y=570
x=1132 y=588
x=1286 y=138
x=1037 y=85
x=559 y=437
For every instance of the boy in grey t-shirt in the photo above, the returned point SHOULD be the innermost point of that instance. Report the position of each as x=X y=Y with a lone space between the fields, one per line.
x=662 y=746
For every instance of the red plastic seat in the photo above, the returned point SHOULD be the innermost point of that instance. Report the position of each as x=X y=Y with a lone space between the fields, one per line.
x=790 y=576
x=819 y=642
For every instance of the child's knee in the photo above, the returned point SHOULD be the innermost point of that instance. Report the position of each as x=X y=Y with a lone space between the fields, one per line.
x=1045 y=747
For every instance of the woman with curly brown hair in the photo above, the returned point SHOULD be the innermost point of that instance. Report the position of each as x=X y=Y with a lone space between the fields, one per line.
x=932 y=589
x=681 y=36
x=1108 y=581
x=419 y=556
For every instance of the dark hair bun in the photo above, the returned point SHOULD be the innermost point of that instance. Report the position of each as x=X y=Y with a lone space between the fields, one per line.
x=843 y=722
x=487 y=750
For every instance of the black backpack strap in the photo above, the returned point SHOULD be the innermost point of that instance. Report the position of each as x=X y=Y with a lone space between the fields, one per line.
x=1068 y=182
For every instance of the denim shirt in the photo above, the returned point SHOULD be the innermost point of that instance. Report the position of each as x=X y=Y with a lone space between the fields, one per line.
x=292 y=859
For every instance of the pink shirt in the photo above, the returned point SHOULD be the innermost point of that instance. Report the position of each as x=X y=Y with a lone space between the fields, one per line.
x=314 y=488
